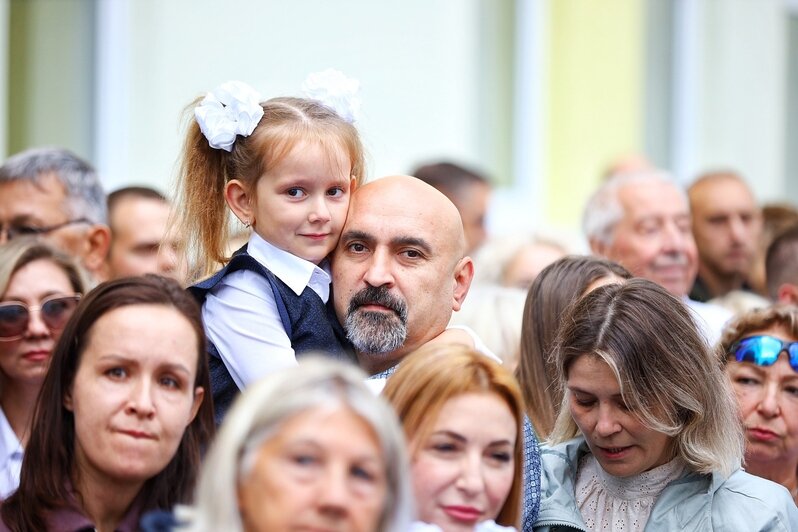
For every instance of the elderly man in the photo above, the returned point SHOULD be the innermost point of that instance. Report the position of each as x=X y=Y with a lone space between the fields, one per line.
x=642 y=221
x=53 y=194
x=727 y=224
x=400 y=269
x=141 y=241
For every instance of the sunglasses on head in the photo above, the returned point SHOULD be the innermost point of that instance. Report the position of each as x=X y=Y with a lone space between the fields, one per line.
x=764 y=350
x=54 y=312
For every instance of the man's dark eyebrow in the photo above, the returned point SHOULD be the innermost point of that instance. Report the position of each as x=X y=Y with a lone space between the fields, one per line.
x=357 y=235
x=412 y=241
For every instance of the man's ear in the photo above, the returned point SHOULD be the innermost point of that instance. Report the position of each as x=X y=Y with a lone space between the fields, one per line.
x=463 y=275
x=787 y=293
x=240 y=201
x=98 y=243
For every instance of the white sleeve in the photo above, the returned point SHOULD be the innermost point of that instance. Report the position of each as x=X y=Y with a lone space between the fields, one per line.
x=242 y=321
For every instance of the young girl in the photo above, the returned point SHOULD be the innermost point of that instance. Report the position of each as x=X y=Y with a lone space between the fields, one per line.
x=285 y=167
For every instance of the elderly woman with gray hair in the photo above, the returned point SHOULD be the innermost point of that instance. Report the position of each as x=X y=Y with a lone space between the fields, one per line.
x=309 y=447
x=648 y=436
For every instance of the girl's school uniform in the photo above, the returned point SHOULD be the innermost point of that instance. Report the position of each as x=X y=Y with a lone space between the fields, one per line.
x=261 y=311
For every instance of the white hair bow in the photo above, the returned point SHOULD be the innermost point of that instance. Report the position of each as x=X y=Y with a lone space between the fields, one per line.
x=230 y=110
x=334 y=90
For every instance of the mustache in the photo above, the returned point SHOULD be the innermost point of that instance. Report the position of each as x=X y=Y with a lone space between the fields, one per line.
x=378 y=295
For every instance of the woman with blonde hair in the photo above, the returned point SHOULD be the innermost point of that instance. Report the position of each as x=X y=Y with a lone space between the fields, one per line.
x=39 y=289
x=308 y=446
x=462 y=415
x=648 y=435
x=558 y=286
x=760 y=352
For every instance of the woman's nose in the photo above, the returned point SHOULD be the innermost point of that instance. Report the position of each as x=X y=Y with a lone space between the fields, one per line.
x=36 y=327
x=470 y=479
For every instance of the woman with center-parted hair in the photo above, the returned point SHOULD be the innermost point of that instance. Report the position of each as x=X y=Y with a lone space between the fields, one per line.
x=122 y=414
x=462 y=414
x=556 y=287
x=648 y=436
x=39 y=290
x=306 y=448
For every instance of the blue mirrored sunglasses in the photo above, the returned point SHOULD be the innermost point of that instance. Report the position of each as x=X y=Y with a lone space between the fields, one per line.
x=764 y=350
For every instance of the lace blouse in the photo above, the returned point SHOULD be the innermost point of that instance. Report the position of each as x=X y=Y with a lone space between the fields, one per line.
x=609 y=503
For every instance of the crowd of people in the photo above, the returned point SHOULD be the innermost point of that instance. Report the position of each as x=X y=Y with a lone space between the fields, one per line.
x=158 y=371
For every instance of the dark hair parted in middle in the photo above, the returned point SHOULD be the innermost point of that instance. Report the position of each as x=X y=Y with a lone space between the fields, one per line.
x=49 y=457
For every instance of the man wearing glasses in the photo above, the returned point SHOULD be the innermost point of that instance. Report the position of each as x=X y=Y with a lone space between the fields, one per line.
x=52 y=194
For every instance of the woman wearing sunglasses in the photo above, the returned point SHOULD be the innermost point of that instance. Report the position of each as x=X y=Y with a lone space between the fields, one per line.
x=761 y=353
x=39 y=290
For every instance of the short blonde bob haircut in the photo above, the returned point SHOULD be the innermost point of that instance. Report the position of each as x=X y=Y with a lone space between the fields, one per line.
x=260 y=412
x=667 y=373
x=435 y=373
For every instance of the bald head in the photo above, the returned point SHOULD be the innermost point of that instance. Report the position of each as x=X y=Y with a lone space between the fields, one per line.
x=406 y=199
x=399 y=265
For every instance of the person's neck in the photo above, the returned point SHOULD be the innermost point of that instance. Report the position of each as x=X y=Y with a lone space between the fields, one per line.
x=776 y=471
x=19 y=401
x=373 y=363
x=718 y=284
x=104 y=501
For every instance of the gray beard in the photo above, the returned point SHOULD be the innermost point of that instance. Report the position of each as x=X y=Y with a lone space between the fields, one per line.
x=375 y=332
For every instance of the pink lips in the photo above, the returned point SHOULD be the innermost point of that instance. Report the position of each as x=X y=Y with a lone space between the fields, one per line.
x=37 y=355
x=614 y=453
x=316 y=236
x=762 y=434
x=138 y=434
x=466 y=514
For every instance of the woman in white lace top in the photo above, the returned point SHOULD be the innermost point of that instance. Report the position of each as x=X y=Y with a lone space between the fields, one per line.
x=648 y=436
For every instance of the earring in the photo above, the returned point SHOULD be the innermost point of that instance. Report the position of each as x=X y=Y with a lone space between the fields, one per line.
x=246 y=223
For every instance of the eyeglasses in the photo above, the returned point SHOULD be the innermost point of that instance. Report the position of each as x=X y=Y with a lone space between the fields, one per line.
x=13 y=231
x=54 y=311
x=764 y=350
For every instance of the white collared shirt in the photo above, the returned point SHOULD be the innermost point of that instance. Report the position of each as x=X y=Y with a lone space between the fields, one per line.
x=241 y=317
x=11 y=453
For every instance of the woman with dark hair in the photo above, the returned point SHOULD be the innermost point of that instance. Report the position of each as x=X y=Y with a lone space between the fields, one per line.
x=121 y=419
x=554 y=289
x=760 y=352
x=648 y=436
x=39 y=289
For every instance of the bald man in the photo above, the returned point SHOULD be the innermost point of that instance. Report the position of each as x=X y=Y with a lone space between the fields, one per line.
x=399 y=270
